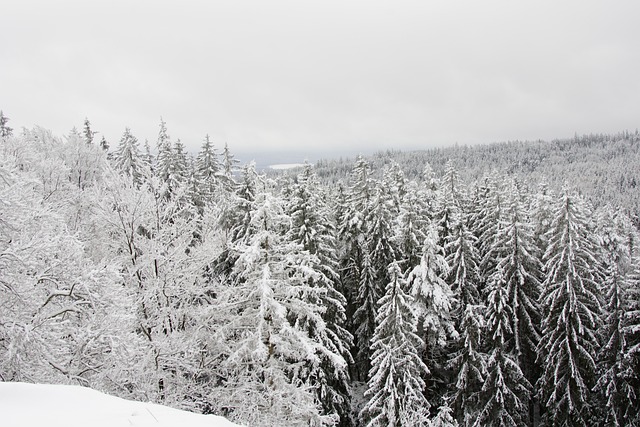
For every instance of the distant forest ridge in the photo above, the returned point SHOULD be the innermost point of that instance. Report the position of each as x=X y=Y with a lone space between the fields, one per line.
x=602 y=167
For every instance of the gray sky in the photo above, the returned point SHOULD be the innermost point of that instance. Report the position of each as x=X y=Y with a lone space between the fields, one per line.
x=323 y=76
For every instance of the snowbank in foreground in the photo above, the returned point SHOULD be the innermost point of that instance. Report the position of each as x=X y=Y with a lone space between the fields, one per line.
x=40 y=405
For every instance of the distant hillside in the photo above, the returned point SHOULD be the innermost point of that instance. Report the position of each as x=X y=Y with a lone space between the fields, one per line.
x=605 y=168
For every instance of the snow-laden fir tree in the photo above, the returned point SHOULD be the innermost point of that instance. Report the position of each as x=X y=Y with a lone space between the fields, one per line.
x=469 y=365
x=87 y=132
x=312 y=228
x=433 y=302
x=164 y=158
x=463 y=259
x=207 y=169
x=380 y=235
x=364 y=318
x=410 y=225
x=5 y=130
x=357 y=273
x=571 y=303
x=504 y=398
x=486 y=222
x=126 y=158
x=516 y=256
x=631 y=336
x=450 y=202
x=616 y=385
x=263 y=316
x=395 y=389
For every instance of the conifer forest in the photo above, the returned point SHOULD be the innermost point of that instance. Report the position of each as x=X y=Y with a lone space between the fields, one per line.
x=493 y=285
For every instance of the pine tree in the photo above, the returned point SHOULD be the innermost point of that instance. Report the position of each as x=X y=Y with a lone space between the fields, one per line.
x=395 y=388
x=504 y=397
x=571 y=300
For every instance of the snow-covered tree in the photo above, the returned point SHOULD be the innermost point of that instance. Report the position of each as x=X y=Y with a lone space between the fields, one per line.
x=433 y=301
x=263 y=315
x=126 y=158
x=5 y=130
x=571 y=303
x=516 y=256
x=469 y=365
x=312 y=228
x=395 y=389
x=504 y=398
x=617 y=376
x=207 y=168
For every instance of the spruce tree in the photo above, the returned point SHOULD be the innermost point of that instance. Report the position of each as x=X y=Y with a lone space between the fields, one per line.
x=312 y=228
x=395 y=388
x=126 y=158
x=504 y=398
x=615 y=382
x=571 y=302
x=5 y=131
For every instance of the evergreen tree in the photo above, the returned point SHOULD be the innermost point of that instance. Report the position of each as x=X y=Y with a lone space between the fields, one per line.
x=5 y=131
x=395 y=389
x=357 y=271
x=463 y=259
x=207 y=169
x=379 y=222
x=450 y=202
x=504 y=397
x=127 y=159
x=410 y=225
x=433 y=301
x=516 y=256
x=164 y=158
x=631 y=337
x=615 y=383
x=263 y=313
x=469 y=365
x=364 y=318
x=88 y=133
x=228 y=168
x=312 y=228
x=104 y=144
x=571 y=301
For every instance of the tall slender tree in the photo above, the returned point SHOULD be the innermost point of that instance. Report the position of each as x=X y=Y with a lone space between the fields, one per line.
x=572 y=302
x=395 y=389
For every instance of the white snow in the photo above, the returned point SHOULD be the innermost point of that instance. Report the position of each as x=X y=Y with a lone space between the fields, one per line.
x=44 y=405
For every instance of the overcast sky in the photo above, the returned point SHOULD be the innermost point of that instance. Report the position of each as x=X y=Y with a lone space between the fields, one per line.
x=323 y=76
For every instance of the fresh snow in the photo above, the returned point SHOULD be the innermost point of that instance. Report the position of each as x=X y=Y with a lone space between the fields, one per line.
x=44 y=405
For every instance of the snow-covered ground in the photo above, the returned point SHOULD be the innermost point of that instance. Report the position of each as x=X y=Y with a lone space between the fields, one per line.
x=40 y=405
